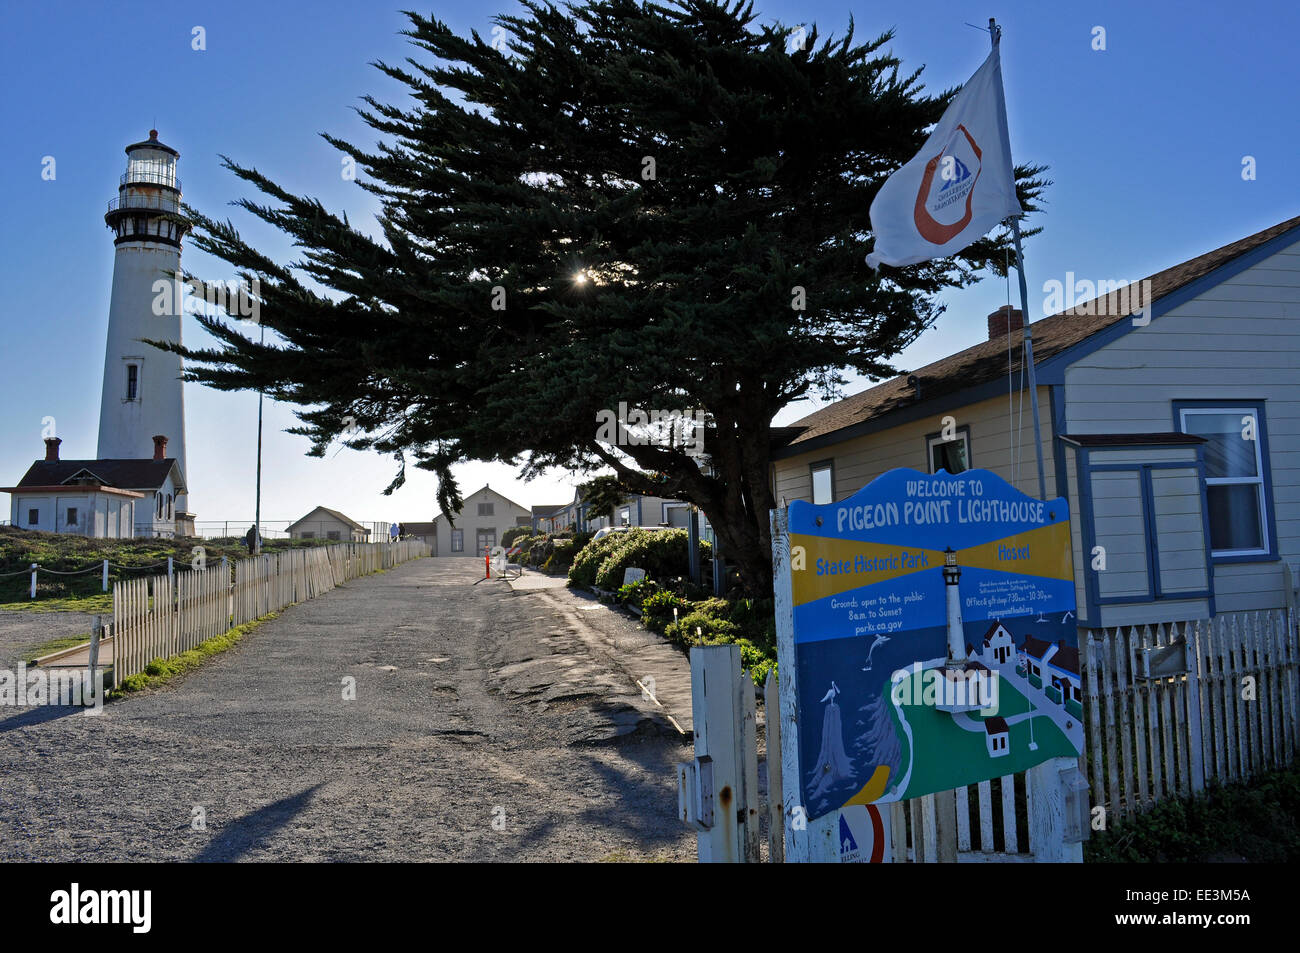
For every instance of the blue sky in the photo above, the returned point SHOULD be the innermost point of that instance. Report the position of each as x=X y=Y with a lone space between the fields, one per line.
x=1145 y=141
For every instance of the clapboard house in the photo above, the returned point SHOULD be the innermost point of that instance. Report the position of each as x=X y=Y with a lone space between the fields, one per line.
x=1170 y=423
x=113 y=498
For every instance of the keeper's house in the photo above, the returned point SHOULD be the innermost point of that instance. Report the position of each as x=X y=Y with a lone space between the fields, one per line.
x=1170 y=421
x=480 y=524
x=112 y=499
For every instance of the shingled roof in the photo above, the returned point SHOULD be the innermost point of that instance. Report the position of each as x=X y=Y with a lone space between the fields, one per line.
x=122 y=474
x=988 y=360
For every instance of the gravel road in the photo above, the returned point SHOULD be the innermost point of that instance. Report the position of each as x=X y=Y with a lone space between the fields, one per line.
x=486 y=725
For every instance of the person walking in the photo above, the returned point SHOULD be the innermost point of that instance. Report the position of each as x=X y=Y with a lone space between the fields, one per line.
x=251 y=539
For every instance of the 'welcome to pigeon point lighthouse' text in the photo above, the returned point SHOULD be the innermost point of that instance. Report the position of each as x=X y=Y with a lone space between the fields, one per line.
x=939 y=501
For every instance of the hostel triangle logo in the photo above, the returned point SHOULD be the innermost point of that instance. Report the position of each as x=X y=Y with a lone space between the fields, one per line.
x=847 y=843
x=957 y=174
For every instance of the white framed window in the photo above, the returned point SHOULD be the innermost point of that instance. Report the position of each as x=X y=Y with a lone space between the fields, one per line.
x=457 y=540
x=72 y=516
x=677 y=515
x=1235 y=476
x=133 y=382
x=33 y=517
x=823 y=482
x=485 y=509
x=625 y=516
x=951 y=455
x=333 y=534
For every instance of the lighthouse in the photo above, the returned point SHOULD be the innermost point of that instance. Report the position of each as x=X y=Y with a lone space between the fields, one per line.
x=143 y=405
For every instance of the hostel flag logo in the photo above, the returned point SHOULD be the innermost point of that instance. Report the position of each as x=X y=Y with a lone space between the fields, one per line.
x=957 y=187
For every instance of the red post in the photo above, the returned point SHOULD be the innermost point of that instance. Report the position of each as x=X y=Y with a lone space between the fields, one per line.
x=487 y=562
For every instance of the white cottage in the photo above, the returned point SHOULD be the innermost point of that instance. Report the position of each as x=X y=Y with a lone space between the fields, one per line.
x=1171 y=424
x=330 y=525
x=101 y=498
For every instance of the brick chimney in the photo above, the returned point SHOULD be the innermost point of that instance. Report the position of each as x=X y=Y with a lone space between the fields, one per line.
x=1001 y=318
x=52 y=449
x=160 y=447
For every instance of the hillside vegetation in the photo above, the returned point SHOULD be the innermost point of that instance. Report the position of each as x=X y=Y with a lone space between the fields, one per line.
x=128 y=559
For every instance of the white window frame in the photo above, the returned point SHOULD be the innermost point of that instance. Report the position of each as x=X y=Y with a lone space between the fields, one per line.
x=1241 y=410
x=813 y=470
x=676 y=506
x=455 y=534
x=963 y=437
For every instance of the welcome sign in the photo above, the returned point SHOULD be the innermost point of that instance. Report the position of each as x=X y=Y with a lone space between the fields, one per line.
x=884 y=714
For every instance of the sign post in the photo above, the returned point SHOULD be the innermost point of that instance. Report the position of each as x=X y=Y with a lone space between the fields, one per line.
x=926 y=641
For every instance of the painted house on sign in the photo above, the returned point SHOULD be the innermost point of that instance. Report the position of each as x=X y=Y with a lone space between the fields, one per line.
x=1170 y=424
x=480 y=524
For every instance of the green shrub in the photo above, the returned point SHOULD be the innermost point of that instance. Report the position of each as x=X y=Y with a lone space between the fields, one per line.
x=657 y=609
x=522 y=541
x=515 y=533
x=712 y=630
x=662 y=555
x=635 y=593
x=561 y=557
x=587 y=562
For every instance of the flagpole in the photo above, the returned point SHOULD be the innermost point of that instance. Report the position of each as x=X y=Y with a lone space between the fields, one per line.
x=995 y=32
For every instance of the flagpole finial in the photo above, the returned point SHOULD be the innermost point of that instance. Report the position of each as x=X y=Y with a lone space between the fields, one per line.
x=995 y=31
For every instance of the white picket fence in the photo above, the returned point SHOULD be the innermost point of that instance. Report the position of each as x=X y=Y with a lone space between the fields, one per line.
x=159 y=617
x=1172 y=707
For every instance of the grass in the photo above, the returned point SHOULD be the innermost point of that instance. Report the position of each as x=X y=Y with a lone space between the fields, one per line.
x=162 y=670
x=32 y=653
x=1254 y=822
x=63 y=553
x=98 y=602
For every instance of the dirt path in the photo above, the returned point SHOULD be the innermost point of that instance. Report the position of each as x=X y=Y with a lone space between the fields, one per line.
x=486 y=726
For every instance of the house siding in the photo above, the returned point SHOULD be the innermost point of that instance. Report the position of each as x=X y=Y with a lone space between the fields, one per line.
x=993 y=439
x=1237 y=341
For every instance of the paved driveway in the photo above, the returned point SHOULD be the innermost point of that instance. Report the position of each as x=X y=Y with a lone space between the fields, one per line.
x=486 y=725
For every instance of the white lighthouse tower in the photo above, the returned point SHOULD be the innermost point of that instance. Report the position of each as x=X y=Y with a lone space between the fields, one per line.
x=143 y=397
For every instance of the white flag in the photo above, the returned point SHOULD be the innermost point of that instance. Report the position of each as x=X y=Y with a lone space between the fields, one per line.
x=957 y=187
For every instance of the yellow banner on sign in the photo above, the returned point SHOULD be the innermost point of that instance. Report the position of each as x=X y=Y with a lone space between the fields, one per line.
x=832 y=566
x=1039 y=552
x=828 y=567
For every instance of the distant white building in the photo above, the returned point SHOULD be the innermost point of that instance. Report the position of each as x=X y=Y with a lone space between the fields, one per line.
x=479 y=525
x=327 y=524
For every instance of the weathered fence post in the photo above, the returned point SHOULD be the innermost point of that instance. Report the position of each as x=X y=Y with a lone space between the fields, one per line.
x=95 y=634
x=33 y=595
x=718 y=793
x=104 y=583
x=1058 y=808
